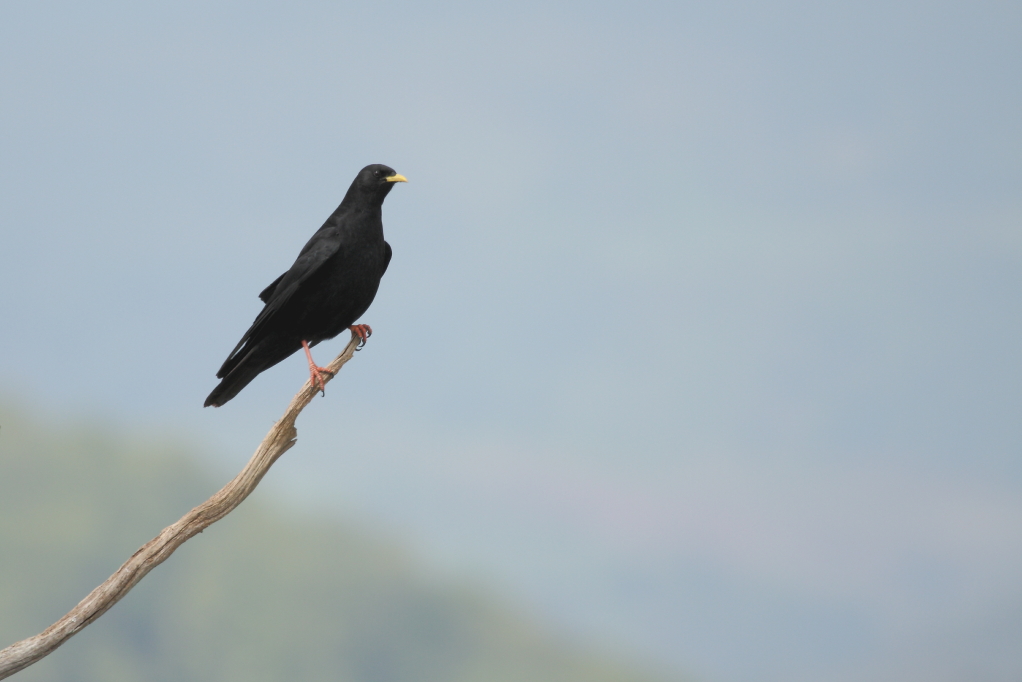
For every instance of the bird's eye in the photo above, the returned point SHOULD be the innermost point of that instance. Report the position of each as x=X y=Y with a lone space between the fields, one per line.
x=376 y=173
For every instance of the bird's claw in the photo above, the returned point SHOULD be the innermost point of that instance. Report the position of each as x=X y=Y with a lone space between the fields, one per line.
x=363 y=332
x=315 y=371
x=316 y=377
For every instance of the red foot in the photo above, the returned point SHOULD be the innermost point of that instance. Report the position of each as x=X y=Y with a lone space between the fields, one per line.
x=363 y=332
x=316 y=373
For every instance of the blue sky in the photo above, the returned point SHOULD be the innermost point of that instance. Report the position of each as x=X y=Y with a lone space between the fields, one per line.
x=701 y=333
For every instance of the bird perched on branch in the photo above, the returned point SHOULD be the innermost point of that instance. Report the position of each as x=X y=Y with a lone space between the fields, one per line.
x=329 y=287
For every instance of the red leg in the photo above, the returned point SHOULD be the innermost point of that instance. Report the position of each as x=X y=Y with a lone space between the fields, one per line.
x=363 y=332
x=315 y=373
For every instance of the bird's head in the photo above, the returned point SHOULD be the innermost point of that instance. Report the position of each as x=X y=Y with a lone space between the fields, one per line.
x=376 y=181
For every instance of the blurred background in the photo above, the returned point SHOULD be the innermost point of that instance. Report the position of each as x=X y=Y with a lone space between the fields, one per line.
x=698 y=356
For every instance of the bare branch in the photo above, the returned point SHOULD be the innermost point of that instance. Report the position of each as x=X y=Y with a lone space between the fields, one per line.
x=279 y=440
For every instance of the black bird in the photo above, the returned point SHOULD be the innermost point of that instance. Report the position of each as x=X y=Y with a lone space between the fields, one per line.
x=330 y=285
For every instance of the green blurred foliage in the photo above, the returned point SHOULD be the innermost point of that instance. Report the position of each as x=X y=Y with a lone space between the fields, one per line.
x=265 y=594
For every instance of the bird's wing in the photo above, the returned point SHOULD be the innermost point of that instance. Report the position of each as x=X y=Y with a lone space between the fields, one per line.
x=268 y=291
x=324 y=244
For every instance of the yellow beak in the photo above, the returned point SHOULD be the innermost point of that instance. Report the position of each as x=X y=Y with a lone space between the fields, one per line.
x=396 y=178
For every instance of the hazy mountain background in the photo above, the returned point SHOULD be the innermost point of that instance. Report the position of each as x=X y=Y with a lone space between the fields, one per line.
x=267 y=594
x=701 y=335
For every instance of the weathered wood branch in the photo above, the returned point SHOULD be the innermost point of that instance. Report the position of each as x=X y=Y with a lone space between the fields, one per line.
x=279 y=440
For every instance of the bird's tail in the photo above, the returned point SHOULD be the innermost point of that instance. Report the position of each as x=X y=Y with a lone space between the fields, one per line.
x=265 y=355
x=232 y=384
